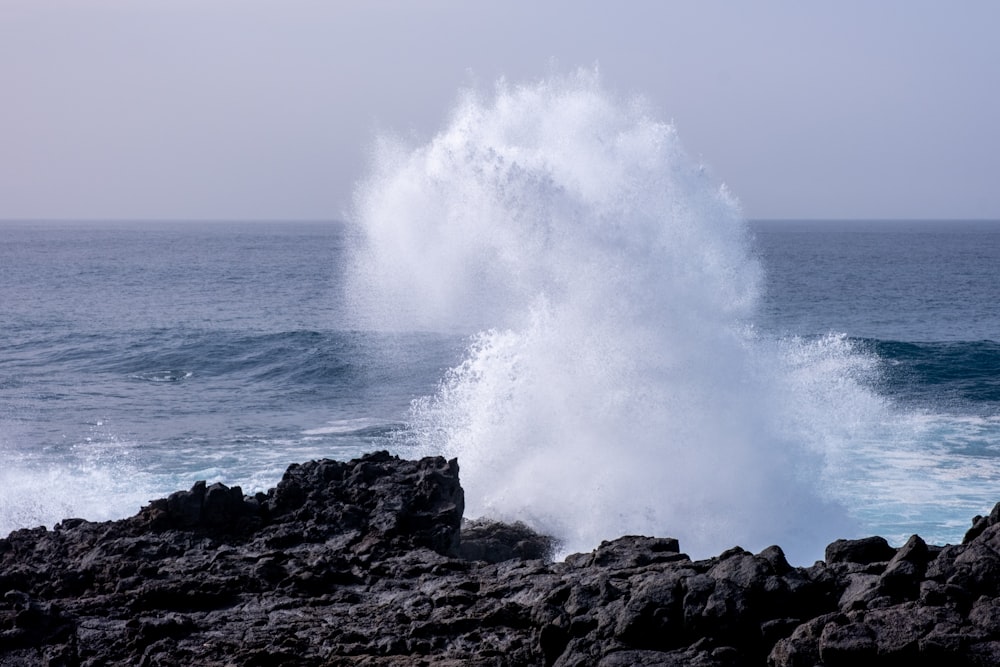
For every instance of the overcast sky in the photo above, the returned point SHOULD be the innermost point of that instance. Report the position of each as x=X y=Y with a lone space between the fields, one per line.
x=266 y=109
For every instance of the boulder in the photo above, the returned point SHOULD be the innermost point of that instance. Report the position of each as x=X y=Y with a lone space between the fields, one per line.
x=865 y=551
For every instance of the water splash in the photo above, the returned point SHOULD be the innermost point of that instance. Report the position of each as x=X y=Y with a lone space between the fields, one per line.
x=617 y=384
x=96 y=479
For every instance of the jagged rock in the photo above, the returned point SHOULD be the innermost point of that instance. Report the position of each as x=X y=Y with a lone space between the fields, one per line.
x=368 y=562
x=495 y=542
x=981 y=523
x=865 y=551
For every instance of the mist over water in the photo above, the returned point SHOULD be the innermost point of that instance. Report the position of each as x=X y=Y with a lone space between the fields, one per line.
x=615 y=382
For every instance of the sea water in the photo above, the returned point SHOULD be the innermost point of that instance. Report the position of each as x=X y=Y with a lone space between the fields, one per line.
x=549 y=289
x=137 y=358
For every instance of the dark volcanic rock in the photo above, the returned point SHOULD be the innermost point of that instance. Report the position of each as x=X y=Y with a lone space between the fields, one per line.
x=495 y=542
x=866 y=550
x=368 y=563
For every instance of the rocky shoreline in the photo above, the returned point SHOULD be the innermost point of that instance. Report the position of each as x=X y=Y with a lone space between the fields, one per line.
x=369 y=563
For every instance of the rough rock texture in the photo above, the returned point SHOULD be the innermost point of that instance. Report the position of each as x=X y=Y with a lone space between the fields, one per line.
x=368 y=563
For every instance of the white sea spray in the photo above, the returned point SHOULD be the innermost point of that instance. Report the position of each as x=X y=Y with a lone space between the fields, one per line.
x=616 y=384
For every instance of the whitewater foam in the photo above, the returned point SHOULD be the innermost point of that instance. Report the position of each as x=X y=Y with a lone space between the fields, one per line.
x=616 y=384
x=95 y=480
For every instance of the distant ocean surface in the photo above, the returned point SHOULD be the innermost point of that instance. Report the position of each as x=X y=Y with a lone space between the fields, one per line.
x=137 y=358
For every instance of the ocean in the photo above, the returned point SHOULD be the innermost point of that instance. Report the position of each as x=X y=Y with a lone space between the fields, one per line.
x=553 y=292
x=137 y=358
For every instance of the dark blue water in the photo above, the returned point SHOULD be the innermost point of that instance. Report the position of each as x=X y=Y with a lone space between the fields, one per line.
x=137 y=358
x=920 y=295
x=915 y=281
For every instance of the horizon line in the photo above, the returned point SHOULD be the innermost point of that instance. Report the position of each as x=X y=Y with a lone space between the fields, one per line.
x=222 y=220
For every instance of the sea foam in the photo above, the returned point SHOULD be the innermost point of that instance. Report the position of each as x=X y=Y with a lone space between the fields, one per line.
x=615 y=382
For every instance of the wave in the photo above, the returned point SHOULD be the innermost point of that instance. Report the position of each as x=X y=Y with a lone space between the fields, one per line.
x=617 y=384
x=170 y=375
x=961 y=375
x=287 y=359
x=104 y=476
x=292 y=358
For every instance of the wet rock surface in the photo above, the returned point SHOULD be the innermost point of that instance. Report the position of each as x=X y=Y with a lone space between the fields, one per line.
x=368 y=563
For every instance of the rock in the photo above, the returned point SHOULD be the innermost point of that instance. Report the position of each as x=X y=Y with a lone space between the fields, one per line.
x=494 y=542
x=847 y=644
x=369 y=562
x=866 y=550
x=905 y=571
x=776 y=557
x=632 y=551
x=981 y=523
x=861 y=589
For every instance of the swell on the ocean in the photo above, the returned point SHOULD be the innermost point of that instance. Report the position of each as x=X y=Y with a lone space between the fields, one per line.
x=615 y=382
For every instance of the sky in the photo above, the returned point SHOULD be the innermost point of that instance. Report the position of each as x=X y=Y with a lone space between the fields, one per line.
x=268 y=109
